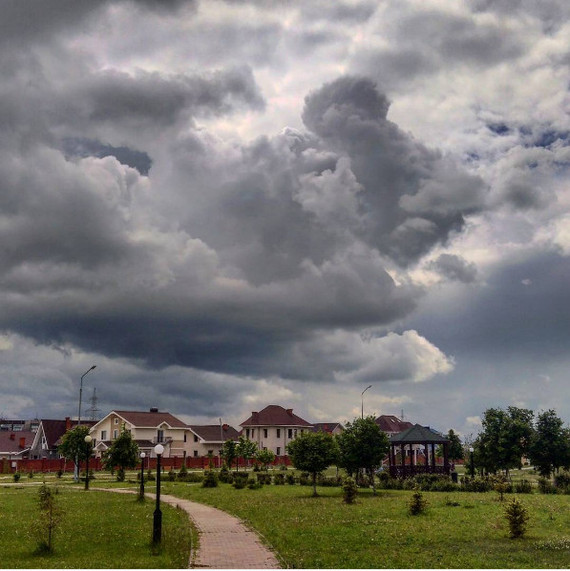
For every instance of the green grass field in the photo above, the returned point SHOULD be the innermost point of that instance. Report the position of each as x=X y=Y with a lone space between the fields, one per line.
x=97 y=530
x=458 y=530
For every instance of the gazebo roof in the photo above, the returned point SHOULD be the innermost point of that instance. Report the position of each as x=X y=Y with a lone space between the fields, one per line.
x=418 y=434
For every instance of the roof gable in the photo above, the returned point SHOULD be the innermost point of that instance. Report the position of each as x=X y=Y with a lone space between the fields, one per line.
x=275 y=415
x=144 y=419
x=418 y=434
x=214 y=432
x=392 y=424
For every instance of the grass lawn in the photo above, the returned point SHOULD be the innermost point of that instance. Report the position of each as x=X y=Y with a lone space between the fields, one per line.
x=97 y=530
x=459 y=530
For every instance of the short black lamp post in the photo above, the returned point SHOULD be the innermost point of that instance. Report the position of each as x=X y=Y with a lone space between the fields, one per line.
x=141 y=493
x=157 y=527
x=88 y=441
x=471 y=450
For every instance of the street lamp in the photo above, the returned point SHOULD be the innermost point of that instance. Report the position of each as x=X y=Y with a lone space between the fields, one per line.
x=157 y=523
x=76 y=471
x=141 y=494
x=88 y=441
x=362 y=397
x=471 y=450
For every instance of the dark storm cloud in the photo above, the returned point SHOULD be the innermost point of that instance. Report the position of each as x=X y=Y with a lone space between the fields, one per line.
x=454 y=268
x=412 y=197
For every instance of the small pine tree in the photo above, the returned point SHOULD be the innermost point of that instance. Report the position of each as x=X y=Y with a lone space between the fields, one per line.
x=45 y=524
x=349 y=490
x=210 y=479
x=418 y=503
x=517 y=517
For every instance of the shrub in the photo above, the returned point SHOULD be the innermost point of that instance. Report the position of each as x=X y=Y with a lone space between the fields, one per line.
x=349 y=490
x=329 y=481
x=279 y=479
x=17 y=476
x=545 y=486
x=210 y=479
x=562 y=482
x=264 y=478
x=59 y=473
x=31 y=474
x=502 y=486
x=517 y=517
x=49 y=517
x=240 y=480
x=150 y=476
x=254 y=484
x=417 y=504
x=171 y=475
x=225 y=475
x=523 y=487
x=305 y=479
x=476 y=484
x=290 y=478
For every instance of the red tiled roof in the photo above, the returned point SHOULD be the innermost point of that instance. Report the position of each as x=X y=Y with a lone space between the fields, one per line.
x=392 y=424
x=325 y=426
x=55 y=429
x=275 y=415
x=10 y=442
x=211 y=432
x=150 y=419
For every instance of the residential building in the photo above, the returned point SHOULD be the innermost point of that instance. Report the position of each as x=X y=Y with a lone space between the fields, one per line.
x=274 y=427
x=391 y=424
x=15 y=445
x=49 y=434
x=206 y=440
x=333 y=428
x=147 y=429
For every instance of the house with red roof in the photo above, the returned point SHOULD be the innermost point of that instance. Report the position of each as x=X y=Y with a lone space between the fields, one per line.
x=333 y=428
x=207 y=439
x=392 y=425
x=15 y=445
x=274 y=427
x=49 y=434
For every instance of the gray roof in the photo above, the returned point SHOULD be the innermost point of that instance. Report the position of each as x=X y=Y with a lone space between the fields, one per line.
x=418 y=434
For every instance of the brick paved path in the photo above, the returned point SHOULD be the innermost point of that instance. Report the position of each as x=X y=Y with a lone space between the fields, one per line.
x=224 y=541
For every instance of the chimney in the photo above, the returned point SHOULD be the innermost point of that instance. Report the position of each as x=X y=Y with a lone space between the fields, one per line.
x=67 y=423
x=225 y=427
x=153 y=409
x=290 y=411
x=12 y=436
x=22 y=441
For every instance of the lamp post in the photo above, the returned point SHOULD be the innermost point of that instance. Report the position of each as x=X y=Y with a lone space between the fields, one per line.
x=362 y=397
x=76 y=471
x=141 y=493
x=471 y=450
x=88 y=441
x=157 y=522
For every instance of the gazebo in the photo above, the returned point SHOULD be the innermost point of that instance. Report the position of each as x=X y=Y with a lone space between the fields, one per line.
x=417 y=435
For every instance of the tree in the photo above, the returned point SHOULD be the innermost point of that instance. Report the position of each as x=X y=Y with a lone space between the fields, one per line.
x=246 y=448
x=455 y=451
x=313 y=452
x=266 y=457
x=73 y=445
x=362 y=445
x=122 y=453
x=550 y=444
x=505 y=438
x=229 y=452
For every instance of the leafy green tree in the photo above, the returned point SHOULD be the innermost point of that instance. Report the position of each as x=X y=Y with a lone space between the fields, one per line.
x=246 y=448
x=122 y=453
x=266 y=457
x=362 y=445
x=229 y=452
x=313 y=452
x=550 y=445
x=73 y=445
x=505 y=438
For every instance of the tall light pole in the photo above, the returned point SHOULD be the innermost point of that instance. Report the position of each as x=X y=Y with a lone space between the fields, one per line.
x=157 y=522
x=141 y=493
x=88 y=441
x=362 y=397
x=76 y=471
x=471 y=450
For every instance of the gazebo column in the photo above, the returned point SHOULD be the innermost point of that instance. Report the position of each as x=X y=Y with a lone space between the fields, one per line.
x=426 y=463
x=403 y=459
x=433 y=457
x=445 y=458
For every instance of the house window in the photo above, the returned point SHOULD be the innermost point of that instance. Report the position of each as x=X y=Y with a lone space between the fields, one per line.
x=103 y=435
x=185 y=435
x=115 y=433
x=290 y=433
x=94 y=442
x=295 y=433
x=116 y=420
x=195 y=453
x=195 y=438
x=247 y=432
x=252 y=432
x=265 y=433
x=278 y=452
x=160 y=435
x=278 y=433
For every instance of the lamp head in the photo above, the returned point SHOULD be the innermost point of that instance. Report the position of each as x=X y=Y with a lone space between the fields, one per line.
x=472 y=449
x=159 y=449
x=143 y=455
x=88 y=439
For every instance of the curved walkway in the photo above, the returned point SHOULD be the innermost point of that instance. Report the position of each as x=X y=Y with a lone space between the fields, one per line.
x=225 y=542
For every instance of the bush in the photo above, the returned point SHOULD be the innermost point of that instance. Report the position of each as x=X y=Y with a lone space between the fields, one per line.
x=290 y=479
x=523 y=487
x=279 y=479
x=210 y=479
x=171 y=475
x=225 y=475
x=417 y=504
x=545 y=486
x=17 y=476
x=254 y=484
x=31 y=474
x=240 y=480
x=305 y=479
x=329 y=481
x=476 y=484
x=59 y=473
x=517 y=517
x=264 y=478
x=349 y=490
x=562 y=482
x=150 y=476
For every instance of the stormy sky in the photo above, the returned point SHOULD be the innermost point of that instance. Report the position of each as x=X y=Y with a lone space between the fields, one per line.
x=229 y=204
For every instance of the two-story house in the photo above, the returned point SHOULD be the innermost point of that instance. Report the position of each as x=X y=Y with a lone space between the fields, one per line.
x=147 y=429
x=274 y=427
x=207 y=439
x=49 y=434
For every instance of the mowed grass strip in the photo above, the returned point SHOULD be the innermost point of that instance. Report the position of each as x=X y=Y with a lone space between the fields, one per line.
x=458 y=530
x=98 y=530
